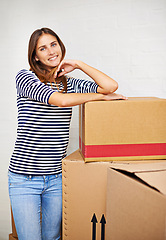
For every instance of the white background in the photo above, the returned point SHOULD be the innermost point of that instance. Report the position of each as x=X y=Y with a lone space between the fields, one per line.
x=124 y=38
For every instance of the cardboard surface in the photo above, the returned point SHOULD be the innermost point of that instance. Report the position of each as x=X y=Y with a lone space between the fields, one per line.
x=14 y=232
x=123 y=130
x=84 y=193
x=153 y=174
x=12 y=238
x=136 y=202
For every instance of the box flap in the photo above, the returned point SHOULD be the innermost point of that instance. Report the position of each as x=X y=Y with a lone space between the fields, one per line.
x=75 y=156
x=130 y=99
x=154 y=174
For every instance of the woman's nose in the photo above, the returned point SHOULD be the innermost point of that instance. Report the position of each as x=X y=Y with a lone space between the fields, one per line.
x=50 y=51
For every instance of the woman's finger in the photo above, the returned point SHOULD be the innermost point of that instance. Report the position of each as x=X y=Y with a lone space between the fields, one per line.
x=61 y=73
x=58 y=70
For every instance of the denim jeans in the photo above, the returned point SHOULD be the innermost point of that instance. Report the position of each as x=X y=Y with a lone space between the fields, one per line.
x=31 y=195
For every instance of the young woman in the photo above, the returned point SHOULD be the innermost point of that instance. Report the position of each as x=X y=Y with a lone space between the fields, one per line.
x=45 y=96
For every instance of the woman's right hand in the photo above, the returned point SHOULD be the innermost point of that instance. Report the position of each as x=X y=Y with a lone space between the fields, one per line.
x=65 y=67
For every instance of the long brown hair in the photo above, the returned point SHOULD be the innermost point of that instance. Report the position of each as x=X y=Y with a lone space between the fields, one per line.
x=37 y=67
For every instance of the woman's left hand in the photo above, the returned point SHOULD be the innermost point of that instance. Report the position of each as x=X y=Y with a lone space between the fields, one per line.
x=114 y=96
x=65 y=66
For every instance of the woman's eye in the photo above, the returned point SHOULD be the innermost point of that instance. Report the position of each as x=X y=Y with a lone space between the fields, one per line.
x=42 y=49
x=54 y=44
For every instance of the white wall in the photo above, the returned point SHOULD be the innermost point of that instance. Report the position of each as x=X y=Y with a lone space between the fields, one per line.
x=124 y=38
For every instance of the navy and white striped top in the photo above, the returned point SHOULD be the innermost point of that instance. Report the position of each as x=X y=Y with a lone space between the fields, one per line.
x=43 y=129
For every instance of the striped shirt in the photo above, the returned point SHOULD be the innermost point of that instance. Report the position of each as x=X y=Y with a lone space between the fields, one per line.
x=43 y=129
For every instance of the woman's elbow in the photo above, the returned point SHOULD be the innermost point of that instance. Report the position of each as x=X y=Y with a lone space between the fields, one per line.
x=108 y=89
x=57 y=99
x=63 y=103
x=115 y=87
x=60 y=103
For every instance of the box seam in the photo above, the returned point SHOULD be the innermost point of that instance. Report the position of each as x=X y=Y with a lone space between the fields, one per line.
x=65 y=203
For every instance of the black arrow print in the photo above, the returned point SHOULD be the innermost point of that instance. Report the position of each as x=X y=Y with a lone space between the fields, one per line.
x=103 y=222
x=94 y=221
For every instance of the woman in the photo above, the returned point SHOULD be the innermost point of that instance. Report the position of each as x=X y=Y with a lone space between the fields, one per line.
x=45 y=96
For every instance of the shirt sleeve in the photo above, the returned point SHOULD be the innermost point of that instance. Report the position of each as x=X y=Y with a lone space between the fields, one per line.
x=83 y=86
x=28 y=85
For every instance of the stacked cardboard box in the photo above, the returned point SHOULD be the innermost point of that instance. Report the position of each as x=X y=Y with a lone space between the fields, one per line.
x=12 y=238
x=136 y=202
x=109 y=131
x=84 y=194
x=123 y=130
x=13 y=235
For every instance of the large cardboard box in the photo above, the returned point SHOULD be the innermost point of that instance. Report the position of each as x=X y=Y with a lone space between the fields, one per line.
x=84 y=194
x=134 y=129
x=12 y=238
x=136 y=202
x=14 y=232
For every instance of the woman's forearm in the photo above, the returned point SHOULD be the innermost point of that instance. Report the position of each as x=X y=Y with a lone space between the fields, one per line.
x=73 y=99
x=106 y=84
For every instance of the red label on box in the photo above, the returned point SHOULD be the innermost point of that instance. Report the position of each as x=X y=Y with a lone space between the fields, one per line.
x=123 y=150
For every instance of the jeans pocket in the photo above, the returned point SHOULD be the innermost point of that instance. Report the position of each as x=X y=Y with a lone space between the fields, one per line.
x=60 y=175
x=16 y=179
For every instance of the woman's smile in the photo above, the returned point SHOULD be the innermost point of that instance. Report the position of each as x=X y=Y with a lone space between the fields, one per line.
x=53 y=58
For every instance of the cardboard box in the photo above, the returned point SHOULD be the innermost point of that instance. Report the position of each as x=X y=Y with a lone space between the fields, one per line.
x=136 y=202
x=134 y=129
x=14 y=232
x=84 y=194
x=12 y=238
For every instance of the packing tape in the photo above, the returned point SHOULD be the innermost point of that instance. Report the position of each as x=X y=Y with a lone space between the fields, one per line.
x=123 y=150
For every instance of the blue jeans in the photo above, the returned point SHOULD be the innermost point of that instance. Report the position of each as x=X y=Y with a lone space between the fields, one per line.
x=31 y=195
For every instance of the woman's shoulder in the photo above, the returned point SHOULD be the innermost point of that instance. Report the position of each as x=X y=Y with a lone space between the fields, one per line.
x=24 y=77
x=24 y=72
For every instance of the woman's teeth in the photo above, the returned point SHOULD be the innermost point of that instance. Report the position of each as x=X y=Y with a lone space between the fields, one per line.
x=53 y=58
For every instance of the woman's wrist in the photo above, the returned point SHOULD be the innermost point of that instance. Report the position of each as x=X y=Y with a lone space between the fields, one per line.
x=79 y=64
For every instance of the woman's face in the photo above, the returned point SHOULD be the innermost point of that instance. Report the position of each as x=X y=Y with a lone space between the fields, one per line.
x=48 y=51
